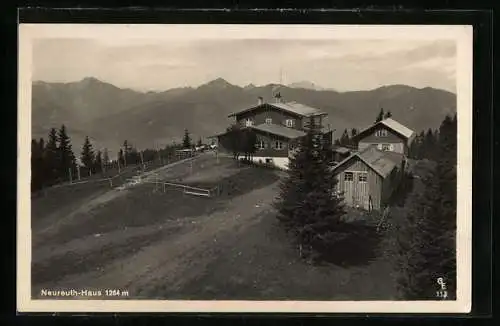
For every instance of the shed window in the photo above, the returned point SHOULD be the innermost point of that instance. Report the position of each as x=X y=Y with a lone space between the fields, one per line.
x=269 y=121
x=261 y=144
x=289 y=123
x=278 y=144
x=348 y=176
x=381 y=133
x=248 y=122
x=363 y=177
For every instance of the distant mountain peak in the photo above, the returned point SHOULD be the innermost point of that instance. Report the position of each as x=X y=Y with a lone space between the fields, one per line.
x=90 y=80
x=218 y=83
x=306 y=85
x=249 y=86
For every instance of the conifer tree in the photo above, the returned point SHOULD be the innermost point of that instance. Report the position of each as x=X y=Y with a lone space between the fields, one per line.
x=98 y=162
x=186 y=140
x=354 y=133
x=427 y=245
x=105 y=156
x=380 y=115
x=121 y=158
x=344 y=139
x=199 y=142
x=126 y=152
x=429 y=147
x=87 y=156
x=66 y=156
x=307 y=206
x=52 y=158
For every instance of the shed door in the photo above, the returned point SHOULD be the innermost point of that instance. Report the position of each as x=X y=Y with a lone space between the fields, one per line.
x=349 y=188
x=361 y=189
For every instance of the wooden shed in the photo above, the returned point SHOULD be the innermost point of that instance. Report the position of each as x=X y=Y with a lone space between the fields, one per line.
x=367 y=179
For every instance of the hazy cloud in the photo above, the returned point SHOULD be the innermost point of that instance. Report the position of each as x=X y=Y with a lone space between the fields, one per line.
x=338 y=64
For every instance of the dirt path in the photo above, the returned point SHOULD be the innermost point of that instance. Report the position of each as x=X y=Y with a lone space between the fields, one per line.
x=169 y=262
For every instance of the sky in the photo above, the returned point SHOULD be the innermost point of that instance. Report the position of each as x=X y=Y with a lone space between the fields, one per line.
x=157 y=65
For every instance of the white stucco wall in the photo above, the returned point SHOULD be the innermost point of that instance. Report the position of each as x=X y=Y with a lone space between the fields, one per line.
x=280 y=162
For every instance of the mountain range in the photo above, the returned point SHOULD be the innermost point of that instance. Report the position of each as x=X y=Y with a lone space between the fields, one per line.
x=109 y=114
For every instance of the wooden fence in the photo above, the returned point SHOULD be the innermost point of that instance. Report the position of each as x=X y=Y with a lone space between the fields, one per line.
x=190 y=190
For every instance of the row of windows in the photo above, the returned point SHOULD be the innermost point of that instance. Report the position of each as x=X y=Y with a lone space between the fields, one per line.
x=276 y=145
x=288 y=122
x=381 y=133
x=362 y=176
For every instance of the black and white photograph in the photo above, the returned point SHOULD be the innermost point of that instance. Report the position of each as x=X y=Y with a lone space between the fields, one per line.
x=287 y=168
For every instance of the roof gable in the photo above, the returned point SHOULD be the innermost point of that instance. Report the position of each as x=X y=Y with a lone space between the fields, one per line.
x=382 y=162
x=391 y=124
x=279 y=130
x=293 y=107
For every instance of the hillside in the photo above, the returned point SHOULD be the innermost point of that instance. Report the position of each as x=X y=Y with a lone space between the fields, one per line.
x=109 y=114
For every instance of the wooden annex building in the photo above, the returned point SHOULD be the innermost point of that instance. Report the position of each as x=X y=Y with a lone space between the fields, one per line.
x=367 y=179
x=370 y=175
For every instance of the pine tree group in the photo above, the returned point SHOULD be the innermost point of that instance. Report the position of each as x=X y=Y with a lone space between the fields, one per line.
x=307 y=206
x=52 y=161
x=427 y=246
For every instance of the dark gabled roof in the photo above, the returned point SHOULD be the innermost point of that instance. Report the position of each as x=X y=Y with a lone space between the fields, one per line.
x=292 y=107
x=279 y=130
x=382 y=162
x=393 y=125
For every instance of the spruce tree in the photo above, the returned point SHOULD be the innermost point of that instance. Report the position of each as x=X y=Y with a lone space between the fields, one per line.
x=354 y=133
x=429 y=148
x=66 y=156
x=344 y=139
x=98 y=162
x=87 y=156
x=105 y=157
x=52 y=158
x=126 y=153
x=428 y=243
x=380 y=115
x=306 y=205
x=121 y=157
x=186 y=140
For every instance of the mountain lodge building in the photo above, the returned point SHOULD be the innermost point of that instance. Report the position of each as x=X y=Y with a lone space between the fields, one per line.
x=278 y=126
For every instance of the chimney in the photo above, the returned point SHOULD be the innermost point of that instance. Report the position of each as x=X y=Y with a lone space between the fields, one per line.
x=260 y=101
x=278 y=97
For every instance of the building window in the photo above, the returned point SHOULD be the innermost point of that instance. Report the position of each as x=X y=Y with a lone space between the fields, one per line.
x=348 y=176
x=386 y=147
x=363 y=177
x=269 y=121
x=381 y=133
x=278 y=145
x=261 y=144
x=289 y=123
x=248 y=122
